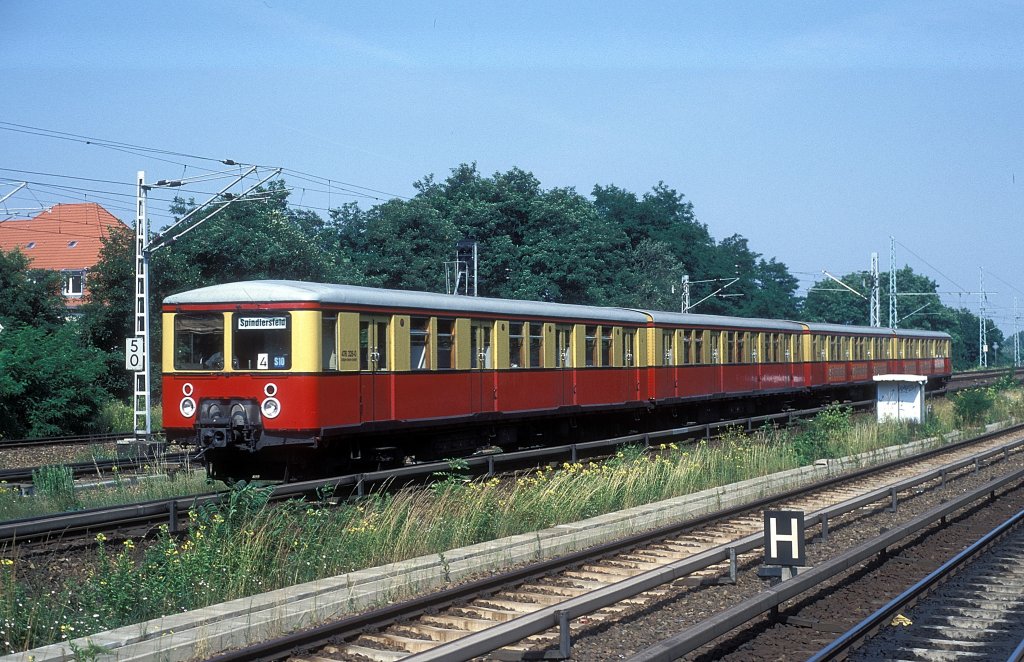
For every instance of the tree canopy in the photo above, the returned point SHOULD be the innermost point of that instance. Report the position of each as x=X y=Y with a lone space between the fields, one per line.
x=613 y=247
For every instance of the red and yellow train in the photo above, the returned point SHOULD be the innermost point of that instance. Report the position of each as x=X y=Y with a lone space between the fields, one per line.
x=286 y=379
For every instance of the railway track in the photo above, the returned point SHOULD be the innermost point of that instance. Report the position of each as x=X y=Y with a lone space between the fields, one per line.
x=65 y=440
x=797 y=618
x=174 y=511
x=971 y=606
x=595 y=588
x=99 y=468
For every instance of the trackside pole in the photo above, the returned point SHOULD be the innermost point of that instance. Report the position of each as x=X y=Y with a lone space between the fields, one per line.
x=141 y=398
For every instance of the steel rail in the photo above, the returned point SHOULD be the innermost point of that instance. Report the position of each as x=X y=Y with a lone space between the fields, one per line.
x=358 y=484
x=886 y=612
x=79 y=469
x=102 y=438
x=353 y=625
x=710 y=629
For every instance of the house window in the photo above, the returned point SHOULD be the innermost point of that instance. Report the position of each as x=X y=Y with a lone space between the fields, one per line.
x=74 y=283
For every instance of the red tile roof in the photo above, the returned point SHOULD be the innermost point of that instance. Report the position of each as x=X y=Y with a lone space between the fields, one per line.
x=62 y=237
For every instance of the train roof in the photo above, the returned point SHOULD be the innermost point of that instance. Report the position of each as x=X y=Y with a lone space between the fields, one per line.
x=818 y=327
x=704 y=321
x=287 y=291
x=293 y=291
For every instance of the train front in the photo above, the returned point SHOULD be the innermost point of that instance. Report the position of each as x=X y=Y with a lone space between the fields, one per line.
x=239 y=382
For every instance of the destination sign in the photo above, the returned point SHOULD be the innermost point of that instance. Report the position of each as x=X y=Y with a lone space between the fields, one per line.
x=262 y=323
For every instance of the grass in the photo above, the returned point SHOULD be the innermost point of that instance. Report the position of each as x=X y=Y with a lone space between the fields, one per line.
x=244 y=547
x=54 y=493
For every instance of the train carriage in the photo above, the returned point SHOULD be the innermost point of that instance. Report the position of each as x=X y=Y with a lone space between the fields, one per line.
x=287 y=378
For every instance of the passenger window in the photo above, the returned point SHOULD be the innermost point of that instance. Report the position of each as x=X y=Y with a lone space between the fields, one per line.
x=536 y=345
x=445 y=344
x=563 y=347
x=199 y=341
x=563 y=343
x=628 y=359
x=590 y=355
x=666 y=348
x=328 y=342
x=606 y=346
x=419 y=343
x=262 y=342
x=373 y=344
x=517 y=356
x=480 y=345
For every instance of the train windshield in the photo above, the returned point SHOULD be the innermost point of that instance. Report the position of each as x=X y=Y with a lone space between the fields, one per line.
x=262 y=342
x=199 y=341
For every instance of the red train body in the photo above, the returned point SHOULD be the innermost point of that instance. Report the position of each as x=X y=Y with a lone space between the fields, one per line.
x=321 y=376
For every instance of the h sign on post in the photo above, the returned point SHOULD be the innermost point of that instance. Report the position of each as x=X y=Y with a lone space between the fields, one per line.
x=784 y=537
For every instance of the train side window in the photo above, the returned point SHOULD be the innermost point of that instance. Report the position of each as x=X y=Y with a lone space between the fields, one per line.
x=666 y=348
x=698 y=347
x=606 y=345
x=517 y=354
x=686 y=347
x=715 y=340
x=590 y=357
x=563 y=346
x=419 y=343
x=199 y=341
x=480 y=345
x=628 y=348
x=445 y=344
x=536 y=345
x=382 y=345
x=329 y=342
x=373 y=344
x=262 y=342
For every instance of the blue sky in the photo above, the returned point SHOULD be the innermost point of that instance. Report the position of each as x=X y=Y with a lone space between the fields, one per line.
x=816 y=130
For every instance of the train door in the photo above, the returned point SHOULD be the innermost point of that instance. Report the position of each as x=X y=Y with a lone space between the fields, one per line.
x=714 y=352
x=481 y=366
x=630 y=358
x=564 y=361
x=374 y=366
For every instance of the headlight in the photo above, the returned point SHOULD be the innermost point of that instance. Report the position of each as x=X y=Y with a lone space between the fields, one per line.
x=270 y=407
x=187 y=407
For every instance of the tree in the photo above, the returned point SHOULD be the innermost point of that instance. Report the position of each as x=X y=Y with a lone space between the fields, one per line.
x=49 y=381
x=30 y=296
x=660 y=215
x=648 y=268
x=830 y=302
x=49 y=376
x=108 y=317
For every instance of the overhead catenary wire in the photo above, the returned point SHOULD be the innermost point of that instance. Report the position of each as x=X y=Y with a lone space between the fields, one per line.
x=147 y=151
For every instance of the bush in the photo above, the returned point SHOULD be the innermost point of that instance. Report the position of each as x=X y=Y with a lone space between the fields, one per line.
x=1006 y=382
x=971 y=405
x=823 y=434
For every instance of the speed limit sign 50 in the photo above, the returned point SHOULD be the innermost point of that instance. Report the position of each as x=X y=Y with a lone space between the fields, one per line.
x=134 y=353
